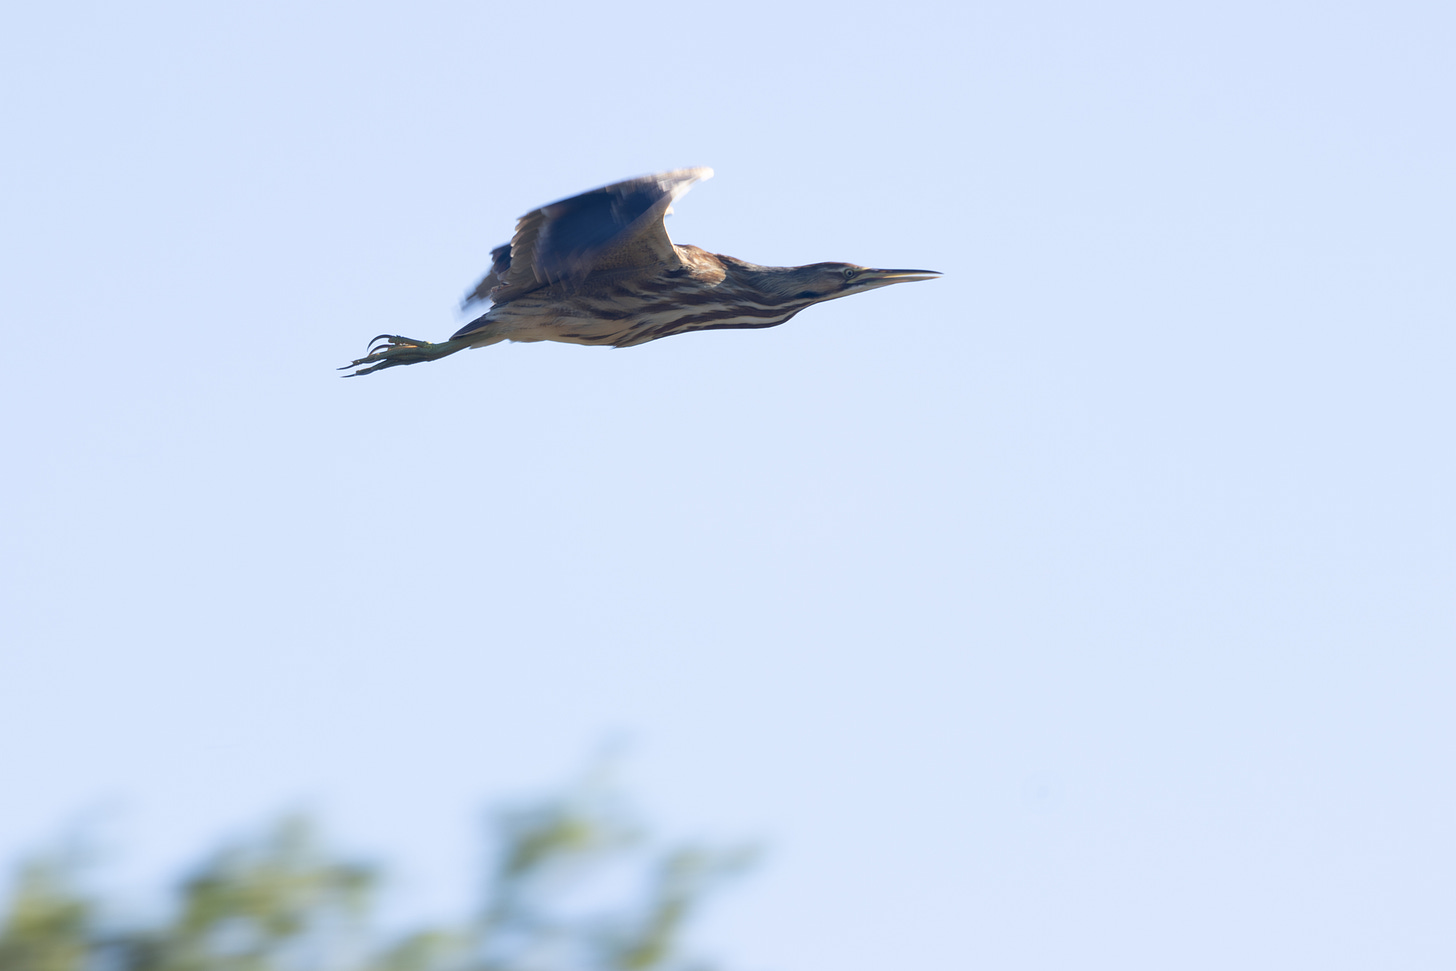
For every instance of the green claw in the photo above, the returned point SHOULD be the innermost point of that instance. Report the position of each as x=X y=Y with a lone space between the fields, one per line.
x=396 y=352
x=401 y=350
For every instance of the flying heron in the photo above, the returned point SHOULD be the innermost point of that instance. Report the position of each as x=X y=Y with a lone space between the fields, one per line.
x=599 y=268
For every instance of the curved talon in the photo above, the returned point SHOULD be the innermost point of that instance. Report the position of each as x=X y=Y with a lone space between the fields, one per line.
x=395 y=351
x=394 y=339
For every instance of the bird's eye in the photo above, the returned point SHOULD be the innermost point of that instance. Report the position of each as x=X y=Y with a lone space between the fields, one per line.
x=849 y=274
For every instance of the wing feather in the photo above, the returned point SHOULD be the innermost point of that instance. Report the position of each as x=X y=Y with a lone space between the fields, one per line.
x=618 y=226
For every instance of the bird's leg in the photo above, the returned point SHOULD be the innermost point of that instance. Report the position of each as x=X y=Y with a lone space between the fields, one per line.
x=396 y=351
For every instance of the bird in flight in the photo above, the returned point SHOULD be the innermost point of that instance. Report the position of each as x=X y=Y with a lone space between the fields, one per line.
x=599 y=268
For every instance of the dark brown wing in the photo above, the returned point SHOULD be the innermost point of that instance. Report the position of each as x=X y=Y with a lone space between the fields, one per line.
x=618 y=226
x=500 y=263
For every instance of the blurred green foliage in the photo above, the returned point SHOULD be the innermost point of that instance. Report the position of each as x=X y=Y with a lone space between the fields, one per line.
x=573 y=886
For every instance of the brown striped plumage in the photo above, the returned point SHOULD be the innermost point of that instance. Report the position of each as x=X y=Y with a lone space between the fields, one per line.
x=599 y=268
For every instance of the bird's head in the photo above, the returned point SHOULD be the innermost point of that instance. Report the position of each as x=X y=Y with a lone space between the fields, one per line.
x=828 y=281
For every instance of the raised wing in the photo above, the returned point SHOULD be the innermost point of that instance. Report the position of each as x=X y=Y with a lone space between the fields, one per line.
x=618 y=226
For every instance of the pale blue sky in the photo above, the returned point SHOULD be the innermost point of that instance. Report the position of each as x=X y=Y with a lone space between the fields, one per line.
x=1091 y=607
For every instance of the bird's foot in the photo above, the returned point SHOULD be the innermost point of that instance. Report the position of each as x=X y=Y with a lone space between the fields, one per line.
x=394 y=352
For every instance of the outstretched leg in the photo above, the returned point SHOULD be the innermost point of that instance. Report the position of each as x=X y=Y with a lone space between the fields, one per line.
x=398 y=350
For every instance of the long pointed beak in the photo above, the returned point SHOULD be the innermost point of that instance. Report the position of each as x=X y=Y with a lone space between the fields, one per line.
x=869 y=279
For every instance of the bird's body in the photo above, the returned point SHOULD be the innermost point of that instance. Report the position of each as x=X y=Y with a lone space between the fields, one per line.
x=599 y=268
